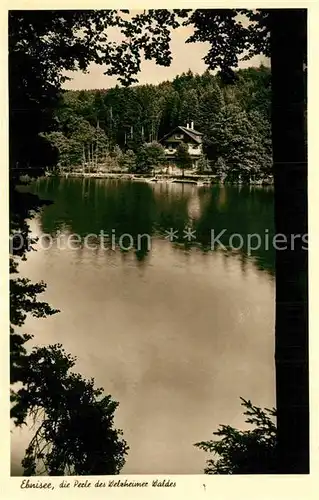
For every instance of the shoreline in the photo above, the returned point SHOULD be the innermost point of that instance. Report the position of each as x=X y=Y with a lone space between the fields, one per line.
x=195 y=179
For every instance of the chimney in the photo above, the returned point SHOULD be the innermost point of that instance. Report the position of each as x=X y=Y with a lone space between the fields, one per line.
x=192 y=125
x=187 y=125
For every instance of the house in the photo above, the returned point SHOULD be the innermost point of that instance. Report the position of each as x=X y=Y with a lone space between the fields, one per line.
x=188 y=135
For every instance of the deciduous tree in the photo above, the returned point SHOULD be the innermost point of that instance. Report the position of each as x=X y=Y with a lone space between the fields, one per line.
x=150 y=156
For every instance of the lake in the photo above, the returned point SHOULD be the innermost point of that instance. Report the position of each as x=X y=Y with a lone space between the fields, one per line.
x=175 y=328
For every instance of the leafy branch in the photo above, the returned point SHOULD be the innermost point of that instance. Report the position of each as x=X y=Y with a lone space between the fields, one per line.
x=251 y=451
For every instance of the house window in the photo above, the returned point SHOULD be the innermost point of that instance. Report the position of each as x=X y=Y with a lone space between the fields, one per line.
x=179 y=136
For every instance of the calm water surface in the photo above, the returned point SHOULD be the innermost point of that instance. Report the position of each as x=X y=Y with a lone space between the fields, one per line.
x=175 y=332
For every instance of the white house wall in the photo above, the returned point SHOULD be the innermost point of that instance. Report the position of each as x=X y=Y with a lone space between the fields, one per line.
x=193 y=151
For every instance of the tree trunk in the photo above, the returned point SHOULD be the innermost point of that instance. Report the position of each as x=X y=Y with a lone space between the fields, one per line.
x=89 y=159
x=288 y=54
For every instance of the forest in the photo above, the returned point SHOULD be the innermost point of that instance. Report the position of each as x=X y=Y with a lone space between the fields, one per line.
x=111 y=127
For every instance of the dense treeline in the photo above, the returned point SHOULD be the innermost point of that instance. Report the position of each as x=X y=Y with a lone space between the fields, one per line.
x=110 y=126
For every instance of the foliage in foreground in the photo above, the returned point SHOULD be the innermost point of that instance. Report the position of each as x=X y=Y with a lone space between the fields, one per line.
x=73 y=422
x=244 y=452
x=183 y=158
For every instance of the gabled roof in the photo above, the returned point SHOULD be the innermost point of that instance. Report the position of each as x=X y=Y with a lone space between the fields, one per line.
x=187 y=130
x=193 y=134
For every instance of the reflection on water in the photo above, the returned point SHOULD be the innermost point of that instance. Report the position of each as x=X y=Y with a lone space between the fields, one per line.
x=176 y=332
x=85 y=206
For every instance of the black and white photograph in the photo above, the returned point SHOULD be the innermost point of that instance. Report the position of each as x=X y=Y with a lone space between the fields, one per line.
x=158 y=246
